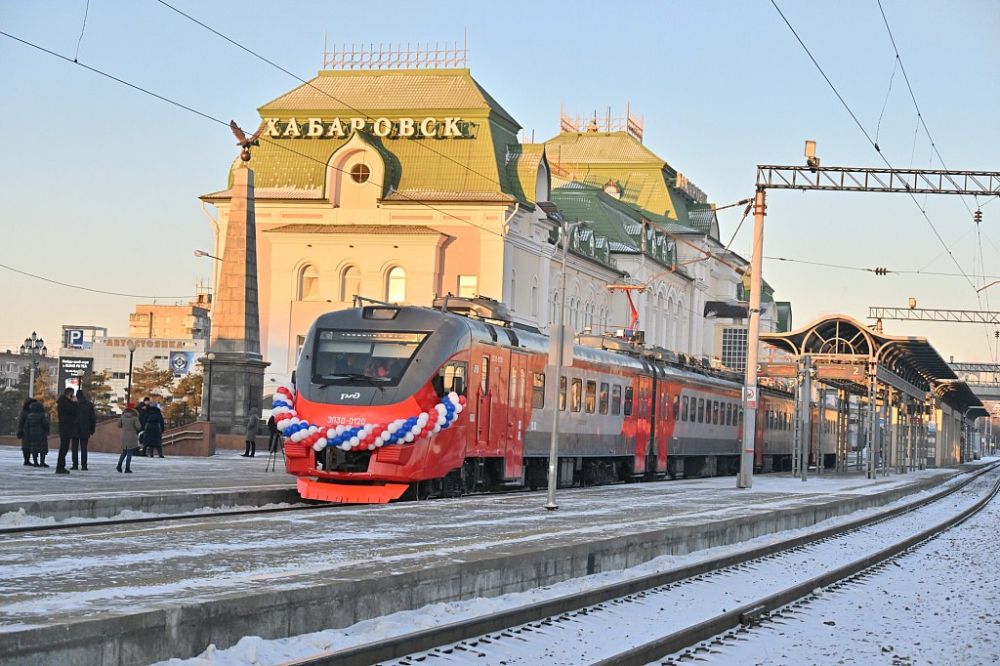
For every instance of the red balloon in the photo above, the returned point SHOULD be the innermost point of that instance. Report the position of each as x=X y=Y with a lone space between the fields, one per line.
x=461 y=400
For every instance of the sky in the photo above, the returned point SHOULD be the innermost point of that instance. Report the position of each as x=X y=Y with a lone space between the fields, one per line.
x=100 y=183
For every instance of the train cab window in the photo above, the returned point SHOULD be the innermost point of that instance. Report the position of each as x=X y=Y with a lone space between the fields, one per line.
x=576 y=395
x=701 y=410
x=684 y=408
x=562 y=393
x=484 y=375
x=602 y=398
x=452 y=377
x=616 y=399
x=677 y=407
x=538 y=390
x=590 y=402
x=344 y=357
x=628 y=401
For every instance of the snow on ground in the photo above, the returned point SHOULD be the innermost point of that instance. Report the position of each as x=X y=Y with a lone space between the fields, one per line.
x=938 y=604
x=257 y=651
x=21 y=518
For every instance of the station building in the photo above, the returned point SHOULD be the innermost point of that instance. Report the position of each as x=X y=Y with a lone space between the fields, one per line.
x=401 y=185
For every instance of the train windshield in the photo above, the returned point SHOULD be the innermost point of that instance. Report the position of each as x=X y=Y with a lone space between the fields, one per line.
x=374 y=357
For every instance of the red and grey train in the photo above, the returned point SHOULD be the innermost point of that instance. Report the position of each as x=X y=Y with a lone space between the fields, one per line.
x=392 y=402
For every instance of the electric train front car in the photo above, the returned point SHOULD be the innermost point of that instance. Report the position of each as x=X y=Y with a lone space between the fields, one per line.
x=377 y=403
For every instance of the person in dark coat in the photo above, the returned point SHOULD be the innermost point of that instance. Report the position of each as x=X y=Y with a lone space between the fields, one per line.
x=25 y=446
x=36 y=432
x=142 y=410
x=152 y=431
x=129 y=423
x=66 y=409
x=253 y=421
x=86 y=422
x=274 y=441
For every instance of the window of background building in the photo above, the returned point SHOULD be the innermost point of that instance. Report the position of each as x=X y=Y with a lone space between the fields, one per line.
x=467 y=285
x=308 y=287
x=350 y=283
x=395 y=289
x=734 y=348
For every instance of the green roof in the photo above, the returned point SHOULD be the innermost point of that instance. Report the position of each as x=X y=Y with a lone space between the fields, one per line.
x=621 y=224
x=474 y=168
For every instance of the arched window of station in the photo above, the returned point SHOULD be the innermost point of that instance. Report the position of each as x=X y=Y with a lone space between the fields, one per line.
x=513 y=290
x=355 y=174
x=350 y=283
x=307 y=284
x=395 y=285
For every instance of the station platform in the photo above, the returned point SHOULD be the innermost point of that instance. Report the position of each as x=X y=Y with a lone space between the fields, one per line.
x=140 y=593
x=167 y=486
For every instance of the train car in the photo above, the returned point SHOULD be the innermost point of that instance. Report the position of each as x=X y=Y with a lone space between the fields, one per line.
x=391 y=402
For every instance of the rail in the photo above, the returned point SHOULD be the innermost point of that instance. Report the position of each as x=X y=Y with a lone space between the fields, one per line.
x=428 y=639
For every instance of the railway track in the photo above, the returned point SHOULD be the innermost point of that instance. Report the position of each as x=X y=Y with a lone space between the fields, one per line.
x=723 y=593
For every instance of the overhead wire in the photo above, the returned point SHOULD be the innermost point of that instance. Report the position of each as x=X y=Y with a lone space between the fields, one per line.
x=214 y=119
x=82 y=288
x=861 y=127
x=871 y=270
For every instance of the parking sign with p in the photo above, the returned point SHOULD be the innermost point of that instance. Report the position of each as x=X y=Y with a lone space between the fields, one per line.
x=74 y=338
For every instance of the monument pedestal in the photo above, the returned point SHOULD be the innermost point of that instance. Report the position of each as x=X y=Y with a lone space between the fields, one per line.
x=234 y=385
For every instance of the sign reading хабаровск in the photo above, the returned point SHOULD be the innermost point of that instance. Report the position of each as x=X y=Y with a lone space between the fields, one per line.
x=339 y=128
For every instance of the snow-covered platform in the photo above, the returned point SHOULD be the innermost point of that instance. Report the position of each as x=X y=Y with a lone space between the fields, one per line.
x=168 y=485
x=136 y=594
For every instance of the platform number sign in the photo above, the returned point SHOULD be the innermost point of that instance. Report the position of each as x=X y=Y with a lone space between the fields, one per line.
x=74 y=338
x=750 y=397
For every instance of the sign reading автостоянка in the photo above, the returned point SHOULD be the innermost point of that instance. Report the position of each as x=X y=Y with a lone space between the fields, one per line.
x=339 y=128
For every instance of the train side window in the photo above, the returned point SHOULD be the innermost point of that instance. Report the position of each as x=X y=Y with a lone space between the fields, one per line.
x=684 y=409
x=739 y=416
x=616 y=399
x=677 y=407
x=729 y=414
x=590 y=404
x=576 y=395
x=715 y=412
x=538 y=390
x=701 y=410
x=562 y=393
x=512 y=389
x=628 y=401
x=484 y=375
x=603 y=398
x=452 y=377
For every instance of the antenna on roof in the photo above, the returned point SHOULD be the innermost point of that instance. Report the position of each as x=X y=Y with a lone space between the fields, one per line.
x=384 y=56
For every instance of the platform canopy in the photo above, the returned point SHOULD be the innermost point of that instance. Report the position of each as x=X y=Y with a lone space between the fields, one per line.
x=840 y=345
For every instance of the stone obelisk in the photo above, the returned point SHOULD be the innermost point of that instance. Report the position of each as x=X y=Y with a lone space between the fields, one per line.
x=237 y=369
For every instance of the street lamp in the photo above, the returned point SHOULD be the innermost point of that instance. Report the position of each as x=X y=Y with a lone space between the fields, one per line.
x=128 y=389
x=987 y=285
x=567 y=232
x=208 y=403
x=34 y=347
x=202 y=253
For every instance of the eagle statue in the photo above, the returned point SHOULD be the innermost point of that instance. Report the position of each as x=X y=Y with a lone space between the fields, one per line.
x=243 y=141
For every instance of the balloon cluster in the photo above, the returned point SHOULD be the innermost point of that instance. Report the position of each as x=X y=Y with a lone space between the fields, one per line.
x=369 y=436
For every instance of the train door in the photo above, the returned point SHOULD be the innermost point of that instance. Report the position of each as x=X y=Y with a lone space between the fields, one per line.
x=643 y=408
x=482 y=391
x=518 y=411
x=499 y=379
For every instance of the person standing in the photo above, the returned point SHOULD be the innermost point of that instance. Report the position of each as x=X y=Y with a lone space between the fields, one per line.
x=274 y=441
x=66 y=410
x=252 y=423
x=152 y=431
x=129 y=423
x=25 y=445
x=143 y=410
x=86 y=421
x=36 y=432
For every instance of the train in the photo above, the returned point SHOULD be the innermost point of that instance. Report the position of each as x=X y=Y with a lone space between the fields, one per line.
x=393 y=402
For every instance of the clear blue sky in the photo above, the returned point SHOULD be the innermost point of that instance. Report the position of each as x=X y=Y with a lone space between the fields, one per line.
x=100 y=183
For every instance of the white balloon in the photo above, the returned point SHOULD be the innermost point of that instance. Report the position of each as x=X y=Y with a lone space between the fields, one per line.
x=393 y=427
x=441 y=420
x=318 y=446
x=436 y=429
x=371 y=447
x=459 y=409
x=340 y=429
x=345 y=446
x=368 y=428
x=354 y=441
x=440 y=408
x=422 y=419
x=321 y=440
x=453 y=396
x=331 y=433
x=409 y=437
